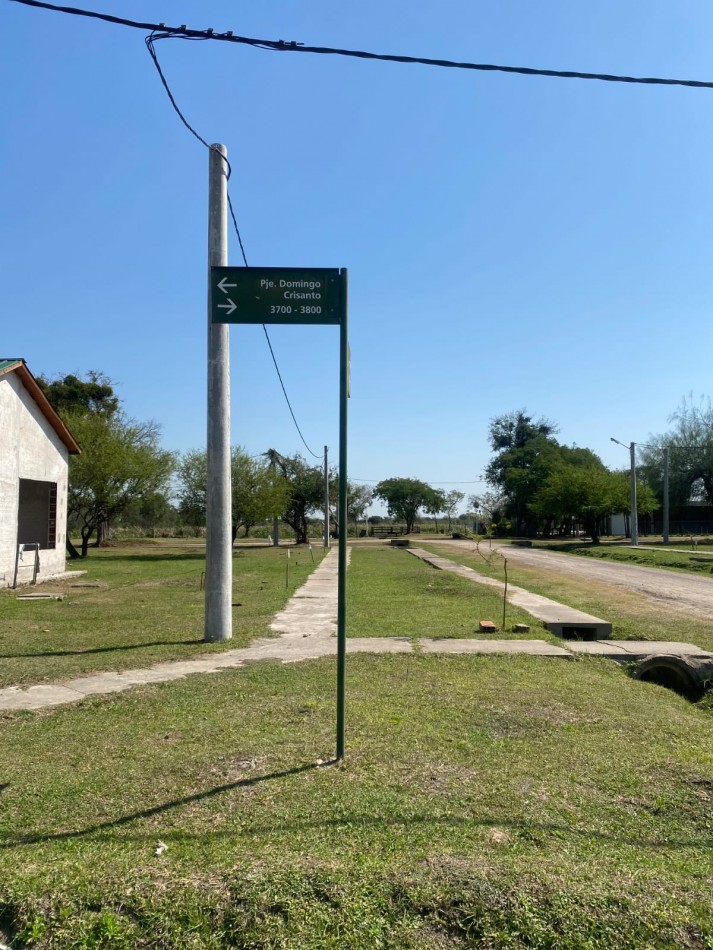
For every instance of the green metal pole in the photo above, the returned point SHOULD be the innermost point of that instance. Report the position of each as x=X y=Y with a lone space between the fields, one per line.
x=342 y=580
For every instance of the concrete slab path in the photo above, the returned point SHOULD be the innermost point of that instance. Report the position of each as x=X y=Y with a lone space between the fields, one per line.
x=306 y=629
x=628 y=651
x=556 y=617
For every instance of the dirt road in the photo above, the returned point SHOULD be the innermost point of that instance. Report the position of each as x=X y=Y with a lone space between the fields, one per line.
x=684 y=593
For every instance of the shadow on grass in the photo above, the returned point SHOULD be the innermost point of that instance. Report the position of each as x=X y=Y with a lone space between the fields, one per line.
x=157 y=557
x=349 y=822
x=157 y=809
x=575 y=547
x=128 y=646
x=151 y=557
x=531 y=828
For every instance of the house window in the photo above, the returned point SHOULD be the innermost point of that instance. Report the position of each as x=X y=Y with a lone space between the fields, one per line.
x=37 y=513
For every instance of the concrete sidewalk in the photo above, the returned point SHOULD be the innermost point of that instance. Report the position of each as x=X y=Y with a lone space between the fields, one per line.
x=558 y=618
x=306 y=629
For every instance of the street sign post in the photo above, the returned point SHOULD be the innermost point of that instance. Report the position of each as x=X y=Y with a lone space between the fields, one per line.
x=300 y=295
x=276 y=295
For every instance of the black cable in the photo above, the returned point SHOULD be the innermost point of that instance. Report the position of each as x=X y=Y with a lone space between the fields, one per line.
x=289 y=406
x=235 y=223
x=149 y=40
x=163 y=32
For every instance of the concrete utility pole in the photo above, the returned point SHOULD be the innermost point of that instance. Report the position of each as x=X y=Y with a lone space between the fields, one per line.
x=634 y=512
x=665 y=496
x=326 y=499
x=219 y=542
x=275 y=520
x=634 y=518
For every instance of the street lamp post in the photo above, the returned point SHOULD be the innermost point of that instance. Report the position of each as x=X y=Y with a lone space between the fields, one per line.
x=634 y=511
x=634 y=516
x=634 y=519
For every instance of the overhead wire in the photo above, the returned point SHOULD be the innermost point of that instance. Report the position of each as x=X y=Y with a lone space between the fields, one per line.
x=161 y=31
x=150 y=40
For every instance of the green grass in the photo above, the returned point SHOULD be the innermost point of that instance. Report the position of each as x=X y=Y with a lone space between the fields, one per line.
x=494 y=802
x=631 y=615
x=394 y=594
x=148 y=608
x=485 y=801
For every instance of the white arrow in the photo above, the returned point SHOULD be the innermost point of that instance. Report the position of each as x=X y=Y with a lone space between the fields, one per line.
x=229 y=306
x=224 y=287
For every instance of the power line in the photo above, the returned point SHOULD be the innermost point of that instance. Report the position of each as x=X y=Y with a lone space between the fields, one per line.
x=162 y=31
x=289 y=405
x=150 y=40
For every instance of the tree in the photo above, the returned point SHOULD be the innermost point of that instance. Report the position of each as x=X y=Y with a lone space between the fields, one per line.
x=486 y=507
x=404 y=497
x=451 y=502
x=526 y=474
x=306 y=490
x=121 y=462
x=514 y=430
x=690 y=445
x=526 y=453
x=258 y=491
x=192 y=478
x=359 y=498
x=71 y=395
x=435 y=504
x=588 y=494
x=646 y=500
x=152 y=511
x=578 y=494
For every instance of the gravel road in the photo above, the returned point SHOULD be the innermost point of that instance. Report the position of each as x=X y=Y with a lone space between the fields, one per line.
x=685 y=593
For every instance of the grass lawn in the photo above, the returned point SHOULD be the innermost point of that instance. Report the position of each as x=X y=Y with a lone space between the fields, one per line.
x=146 y=606
x=394 y=594
x=484 y=802
x=631 y=614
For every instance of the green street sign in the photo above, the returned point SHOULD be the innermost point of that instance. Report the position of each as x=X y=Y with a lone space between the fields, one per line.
x=299 y=295
x=275 y=295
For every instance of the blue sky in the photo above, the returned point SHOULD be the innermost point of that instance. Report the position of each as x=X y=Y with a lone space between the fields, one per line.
x=511 y=241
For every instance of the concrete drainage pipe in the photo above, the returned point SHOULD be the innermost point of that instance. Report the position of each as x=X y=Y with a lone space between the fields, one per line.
x=690 y=676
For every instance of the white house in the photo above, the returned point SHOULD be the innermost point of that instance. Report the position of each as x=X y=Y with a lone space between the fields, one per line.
x=35 y=446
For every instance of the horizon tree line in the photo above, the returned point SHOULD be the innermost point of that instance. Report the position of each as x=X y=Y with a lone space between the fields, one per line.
x=539 y=486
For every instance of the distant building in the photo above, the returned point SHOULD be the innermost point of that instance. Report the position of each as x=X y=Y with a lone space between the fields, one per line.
x=35 y=446
x=619 y=524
